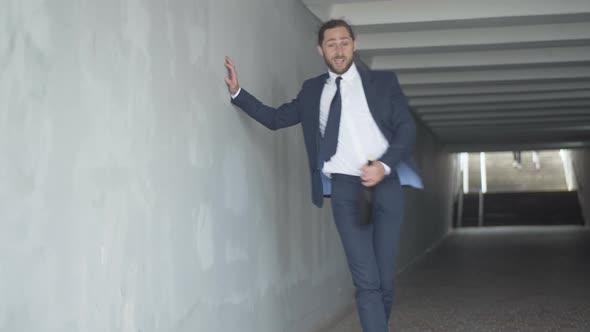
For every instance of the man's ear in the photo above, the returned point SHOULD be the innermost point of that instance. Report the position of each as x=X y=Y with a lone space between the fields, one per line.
x=321 y=51
x=354 y=45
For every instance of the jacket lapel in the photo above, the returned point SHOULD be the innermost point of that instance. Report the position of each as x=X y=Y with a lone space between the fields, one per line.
x=315 y=97
x=371 y=95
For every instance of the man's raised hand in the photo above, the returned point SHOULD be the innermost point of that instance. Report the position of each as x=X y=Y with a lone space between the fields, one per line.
x=232 y=78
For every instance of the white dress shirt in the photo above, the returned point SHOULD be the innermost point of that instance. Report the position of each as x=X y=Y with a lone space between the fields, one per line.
x=359 y=137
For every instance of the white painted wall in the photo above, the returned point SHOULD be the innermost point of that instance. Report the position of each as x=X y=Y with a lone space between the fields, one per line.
x=134 y=197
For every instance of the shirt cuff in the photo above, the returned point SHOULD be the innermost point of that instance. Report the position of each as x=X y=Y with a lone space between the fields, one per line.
x=237 y=93
x=387 y=168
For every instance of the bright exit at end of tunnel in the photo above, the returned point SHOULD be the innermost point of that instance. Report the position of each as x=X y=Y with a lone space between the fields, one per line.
x=516 y=188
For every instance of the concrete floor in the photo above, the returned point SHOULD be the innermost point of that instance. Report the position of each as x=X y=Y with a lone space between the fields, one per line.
x=496 y=279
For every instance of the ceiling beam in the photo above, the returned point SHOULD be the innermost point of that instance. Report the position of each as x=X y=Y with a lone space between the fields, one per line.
x=516 y=146
x=498 y=98
x=482 y=107
x=492 y=89
x=513 y=129
x=435 y=85
x=533 y=112
x=477 y=71
x=471 y=38
x=412 y=11
x=484 y=59
x=538 y=121
x=498 y=76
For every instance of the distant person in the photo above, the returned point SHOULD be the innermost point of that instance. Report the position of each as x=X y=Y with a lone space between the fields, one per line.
x=536 y=160
x=517 y=159
x=348 y=115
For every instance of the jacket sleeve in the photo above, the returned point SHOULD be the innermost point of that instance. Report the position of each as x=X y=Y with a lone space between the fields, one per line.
x=284 y=116
x=403 y=140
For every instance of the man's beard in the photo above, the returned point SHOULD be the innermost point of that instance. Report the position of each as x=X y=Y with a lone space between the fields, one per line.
x=329 y=64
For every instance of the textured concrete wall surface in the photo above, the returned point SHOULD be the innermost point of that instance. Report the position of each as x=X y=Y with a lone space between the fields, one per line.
x=134 y=197
x=581 y=167
x=429 y=212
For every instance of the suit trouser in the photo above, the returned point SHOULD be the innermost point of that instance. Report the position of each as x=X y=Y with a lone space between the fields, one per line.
x=370 y=249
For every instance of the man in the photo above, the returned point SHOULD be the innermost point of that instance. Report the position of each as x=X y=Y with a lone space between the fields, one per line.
x=350 y=116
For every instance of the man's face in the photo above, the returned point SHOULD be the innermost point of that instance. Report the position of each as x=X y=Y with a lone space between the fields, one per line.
x=338 y=49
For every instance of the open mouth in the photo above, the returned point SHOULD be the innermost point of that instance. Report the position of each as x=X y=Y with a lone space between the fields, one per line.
x=339 y=62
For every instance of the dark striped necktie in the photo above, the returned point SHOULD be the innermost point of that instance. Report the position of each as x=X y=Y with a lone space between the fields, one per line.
x=329 y=142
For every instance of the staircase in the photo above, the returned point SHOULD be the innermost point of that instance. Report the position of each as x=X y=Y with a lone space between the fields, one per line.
x=519 y=196
x=503 y=177
x=523 y=208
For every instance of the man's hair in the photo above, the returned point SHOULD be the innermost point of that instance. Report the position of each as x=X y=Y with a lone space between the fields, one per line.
x=331 y=24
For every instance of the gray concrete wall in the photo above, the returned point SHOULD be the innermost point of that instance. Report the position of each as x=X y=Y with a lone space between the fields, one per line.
x=429 y=212
x=581 y=167
x=136 y=198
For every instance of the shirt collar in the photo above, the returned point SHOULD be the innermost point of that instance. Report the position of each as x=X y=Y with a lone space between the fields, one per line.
x=348 y=76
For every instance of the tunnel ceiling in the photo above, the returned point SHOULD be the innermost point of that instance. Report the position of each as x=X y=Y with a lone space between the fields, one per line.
x=482 y=75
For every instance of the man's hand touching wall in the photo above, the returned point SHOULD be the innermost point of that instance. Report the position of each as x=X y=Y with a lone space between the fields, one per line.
x=232 y=78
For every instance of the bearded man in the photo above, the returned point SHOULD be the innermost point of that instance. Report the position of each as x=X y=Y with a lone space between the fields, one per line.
x=359 y=136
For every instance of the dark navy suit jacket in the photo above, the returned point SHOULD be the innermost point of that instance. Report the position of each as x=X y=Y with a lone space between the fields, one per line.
x=388 y=106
